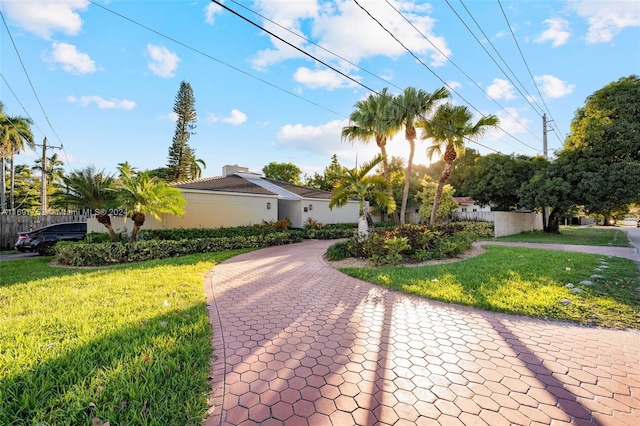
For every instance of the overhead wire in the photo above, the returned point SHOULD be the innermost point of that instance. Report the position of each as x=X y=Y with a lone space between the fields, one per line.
x=317 y=45
x=527 y=65
x=436 y=75
x=466 y=75
x=200 y=52
x=323 y=62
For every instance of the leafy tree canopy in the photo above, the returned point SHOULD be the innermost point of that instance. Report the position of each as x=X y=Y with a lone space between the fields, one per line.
x=285 y=172
x=446 y=205
x=601 y=156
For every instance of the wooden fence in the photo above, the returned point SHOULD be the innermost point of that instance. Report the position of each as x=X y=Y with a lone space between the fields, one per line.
x=11 y=225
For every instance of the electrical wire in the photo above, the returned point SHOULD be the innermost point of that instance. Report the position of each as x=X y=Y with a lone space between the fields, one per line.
x=468 y=77
x=527 y=65
x=193 y=49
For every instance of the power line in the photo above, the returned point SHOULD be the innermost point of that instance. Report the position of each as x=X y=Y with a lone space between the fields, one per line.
x=527 y=65
x=468 y=77
x=318 y=46
x=433 y=72
x=193 y=49
x=24 y=69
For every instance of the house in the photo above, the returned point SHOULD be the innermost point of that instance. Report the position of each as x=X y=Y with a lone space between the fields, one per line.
x=241 y=198
x=468 y=204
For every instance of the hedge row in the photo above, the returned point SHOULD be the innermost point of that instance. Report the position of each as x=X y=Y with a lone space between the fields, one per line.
x=101 y=254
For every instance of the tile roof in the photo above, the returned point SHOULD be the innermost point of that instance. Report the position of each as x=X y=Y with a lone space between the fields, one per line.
x=231 y=183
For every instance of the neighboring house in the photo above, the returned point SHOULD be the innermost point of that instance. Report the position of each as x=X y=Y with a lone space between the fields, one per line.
x=468 y=204
x=240 y=198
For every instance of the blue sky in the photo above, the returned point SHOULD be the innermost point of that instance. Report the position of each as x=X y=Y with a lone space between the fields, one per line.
x=100 y=77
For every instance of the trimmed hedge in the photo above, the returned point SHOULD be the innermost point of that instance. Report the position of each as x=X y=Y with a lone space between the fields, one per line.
x=102 y=254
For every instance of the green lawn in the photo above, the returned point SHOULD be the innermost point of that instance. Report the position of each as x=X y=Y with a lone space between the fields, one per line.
x=528 y=282
x=574 y=235
x=128 y=344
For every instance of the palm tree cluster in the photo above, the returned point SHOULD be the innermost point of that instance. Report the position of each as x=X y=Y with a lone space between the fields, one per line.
x=382 y=115
x=136 y=193
x=15 y=132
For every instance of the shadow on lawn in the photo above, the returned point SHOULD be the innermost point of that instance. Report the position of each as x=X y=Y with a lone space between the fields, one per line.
x=138 y=375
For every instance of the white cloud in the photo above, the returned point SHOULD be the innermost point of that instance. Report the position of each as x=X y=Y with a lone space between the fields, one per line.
x=43 y=18
x=558 y=32
x=606 y=18
x=326 y=79
x=101 y=102
x=163 y=62
x=71 y=60
x=211 y=11
x=553 y=87
x=235 y=118
x=501 y=89
x=330 y=24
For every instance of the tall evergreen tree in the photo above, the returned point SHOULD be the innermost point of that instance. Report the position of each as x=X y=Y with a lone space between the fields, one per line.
x=180 y=153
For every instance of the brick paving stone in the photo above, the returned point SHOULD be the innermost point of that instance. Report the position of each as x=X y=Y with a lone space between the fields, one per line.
x=297 y=342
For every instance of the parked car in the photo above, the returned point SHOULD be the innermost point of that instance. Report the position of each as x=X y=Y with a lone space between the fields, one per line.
x=41 y=240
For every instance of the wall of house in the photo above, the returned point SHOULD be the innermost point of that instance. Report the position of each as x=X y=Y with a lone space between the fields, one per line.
x=206 y=210
x=319 y=211
x=298 y=211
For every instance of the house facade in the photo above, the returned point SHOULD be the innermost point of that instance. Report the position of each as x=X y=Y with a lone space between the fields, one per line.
x=241 y=198
x=469 y=205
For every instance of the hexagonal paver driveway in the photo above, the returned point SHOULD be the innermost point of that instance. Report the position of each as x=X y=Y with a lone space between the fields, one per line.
x=299 y=343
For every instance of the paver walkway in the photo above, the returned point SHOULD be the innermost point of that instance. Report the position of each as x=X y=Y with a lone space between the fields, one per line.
x=299 y=343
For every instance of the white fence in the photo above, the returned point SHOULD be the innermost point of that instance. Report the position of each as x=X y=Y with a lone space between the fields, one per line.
x=505 y=223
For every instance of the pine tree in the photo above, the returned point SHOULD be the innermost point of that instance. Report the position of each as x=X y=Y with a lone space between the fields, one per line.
x=180 y=152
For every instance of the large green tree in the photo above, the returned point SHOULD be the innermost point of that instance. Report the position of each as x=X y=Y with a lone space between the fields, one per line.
x=363 y=185
x=495 y=179
x=449 y=129
x=412 y=106
x=426 y=196
x=181 y=155
x=285 y=172
x=601 y=155
x=140 y=194
x=15 y=135
x=373 y=119
x=328 y=179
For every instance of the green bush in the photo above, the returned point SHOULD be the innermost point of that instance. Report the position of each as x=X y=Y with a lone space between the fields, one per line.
x=100 y=254
x=339 y=251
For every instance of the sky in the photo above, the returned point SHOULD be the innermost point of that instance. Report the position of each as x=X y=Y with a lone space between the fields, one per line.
x=277 y=80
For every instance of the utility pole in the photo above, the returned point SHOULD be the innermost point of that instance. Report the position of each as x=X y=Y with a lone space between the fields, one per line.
x=44 y=174
x=544 y=136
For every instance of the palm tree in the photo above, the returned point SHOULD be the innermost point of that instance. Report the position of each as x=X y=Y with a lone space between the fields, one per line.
x=140 y=194
x=448 y=129
x=373 y=119
x=54 y=172
x=90 y=189
x=411 y=106
x=196 y=166
x=14 y=133
x=357 y=183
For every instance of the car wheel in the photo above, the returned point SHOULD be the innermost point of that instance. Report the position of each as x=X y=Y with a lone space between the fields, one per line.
x=45 y=249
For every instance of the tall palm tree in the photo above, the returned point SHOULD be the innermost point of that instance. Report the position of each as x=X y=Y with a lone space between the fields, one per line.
x=373 y=119
x=90 y=189
x=448 y=129
x=14 y=133
x=196 y=166
x=140 y=194
x=412 y=105
x=357 y=183
x=54 y=172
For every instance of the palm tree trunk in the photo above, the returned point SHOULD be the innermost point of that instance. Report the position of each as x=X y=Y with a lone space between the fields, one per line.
x=12 y=200
x=3 y=199
x=387 y=176
x=407 y=179
x=138 y=220
x=436 y=200
x=105 y=219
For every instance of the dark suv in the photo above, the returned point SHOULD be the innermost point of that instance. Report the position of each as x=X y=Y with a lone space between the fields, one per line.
x=41 y=240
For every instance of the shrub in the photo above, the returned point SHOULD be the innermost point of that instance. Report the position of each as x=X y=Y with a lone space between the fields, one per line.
x=339 y=251
x=100 y=254
x=311 y=223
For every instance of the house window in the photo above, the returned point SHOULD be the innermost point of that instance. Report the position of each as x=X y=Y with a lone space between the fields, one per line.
x=464 y=210
x=310 y=207
x=268 y=206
